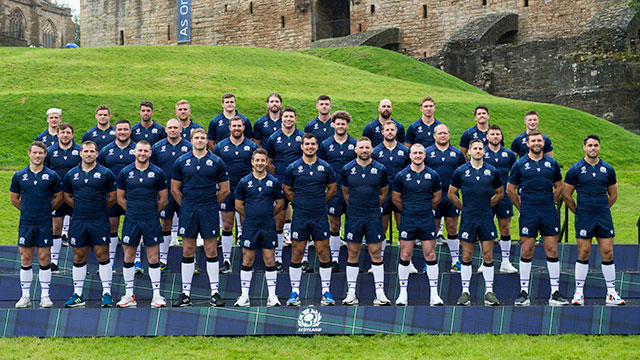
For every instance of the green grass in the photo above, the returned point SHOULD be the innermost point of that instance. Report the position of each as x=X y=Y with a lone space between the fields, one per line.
x=329 y=347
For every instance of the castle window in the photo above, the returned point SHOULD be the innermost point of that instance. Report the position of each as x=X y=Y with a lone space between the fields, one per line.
x=373 y=9
x=169 y=32
x=424 y=11
x=282 y=21
x=526 y=3
x=49 y=35
x=16 y=24
x=360 y=27
x=121 y=37
x=225 y=8
x=251 y=7
x=484 y=2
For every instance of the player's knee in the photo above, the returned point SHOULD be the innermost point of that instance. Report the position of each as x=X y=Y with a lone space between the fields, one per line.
x=606 y=253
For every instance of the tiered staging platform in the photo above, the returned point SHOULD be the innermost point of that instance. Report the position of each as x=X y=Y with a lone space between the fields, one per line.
x=311 y=318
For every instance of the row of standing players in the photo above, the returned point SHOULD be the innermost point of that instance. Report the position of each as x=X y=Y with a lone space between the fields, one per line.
x=381 y=148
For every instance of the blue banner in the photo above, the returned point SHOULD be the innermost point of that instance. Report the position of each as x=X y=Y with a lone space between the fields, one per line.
x=184 y=21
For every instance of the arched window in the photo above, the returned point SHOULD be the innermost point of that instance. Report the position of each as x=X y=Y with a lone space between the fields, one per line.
x=17 y=24
x=49 y=34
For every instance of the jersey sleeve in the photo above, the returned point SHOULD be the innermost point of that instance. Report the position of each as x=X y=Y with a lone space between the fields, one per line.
x=121 y=183
x=612 y=180
x=211 y=131
x=278 y=193
x=400 y=133
x=57 y=185
x=154 y=154
x=557 y=174
x=571 y=177
x=344 y=176
x=288 y=176
x=512 y=158
x=240 y=191
x=331 y=175
x=85 y=137
x=307 y=127
x=15 y=184
x=437 y=184
x=514 y=174
x=161 y=180
x=176 y=174
x=257 y=132
x=322 y=152
x=216 y=150
x=464 y=140
x=66 y=183
x=456 y=180
x=514 y=145
x=271 y=151
x=411 y=135
x=367 y=131
x=385 y=176
x=110 y=181
x=548 y=146
x=248 y=130
x=397 y=183
x=221 y=171
x=497 y=183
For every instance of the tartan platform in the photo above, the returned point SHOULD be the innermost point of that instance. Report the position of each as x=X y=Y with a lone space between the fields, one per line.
x=311 y=318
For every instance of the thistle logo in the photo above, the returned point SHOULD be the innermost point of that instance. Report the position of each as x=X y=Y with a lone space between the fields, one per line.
x=309 y=320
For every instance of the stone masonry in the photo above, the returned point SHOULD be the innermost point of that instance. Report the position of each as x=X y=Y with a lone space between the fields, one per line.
x=35 y=22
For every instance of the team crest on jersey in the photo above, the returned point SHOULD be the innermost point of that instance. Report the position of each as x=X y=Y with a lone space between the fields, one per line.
x=209 y=162
x=55 y=153
x=184 y=149
x=400 y=152
x=408 y=177
x=138 y=131
x=250 y=184
x=377 y=129
x=419 y=129
x=247 y=148
x=331 y=147
x=353 y=171
x=25 y=177
x=298 y=138
x=279 y=140
x=432 y=154
x=374 y=171
x=131 y=174
x=269 y=183
x=320 y=167
x=527 y=166
x=467 y=173
x=163 y=148
x=226 y=148
x=350 y=147
x=381 y=154
x=603 y=169
x=130 y=151
x=464 y=235
x=300 y=169
x=112 y=132
x=45 y=176
x=583 y=170
x=154 y=131
x=76 y=176
x=504 y=154
x=110 y=151
x=475 y=135
x=427 y=176
x=547 y=164
x=487 y=172
x=452 y=154
x=221 y=123
x=187 y=163
x=97 y=175
x=151 y=175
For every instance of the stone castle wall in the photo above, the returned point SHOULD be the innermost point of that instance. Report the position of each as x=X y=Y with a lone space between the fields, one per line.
x=37 y=15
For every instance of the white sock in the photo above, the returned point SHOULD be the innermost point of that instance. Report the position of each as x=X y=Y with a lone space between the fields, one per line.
x=581 y=277
x=454 y=250
x=465 y=276
x=245 y=281
x=609 y=272
x=334 y=245
x=44 y=276
x=294 y=275
x=26 y=277
x=378 y=278
x=433 y=274
x=325 y=278
x=227 y=243
x=128 y=275
x=55 y=249
x=403 y=278
x=65 y=224
x=305 y=257
x=164 y=248
x=154 y=276
x=352 y=277
x=383 y=246
x=187 y=275
x=138 y=252
x=487 y=273
x=554 y=274
x=525 y=271
x=79 y=274
x=113 y=245
x=106 y=275
x=213 y=269
x=441 y=227
x=287 y=227
x=272 y=279
x=238 y=223
x=505 y=248
x=175 y=225
x=278 y=251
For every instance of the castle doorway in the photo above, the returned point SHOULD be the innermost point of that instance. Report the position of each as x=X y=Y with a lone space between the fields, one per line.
x=332 y=19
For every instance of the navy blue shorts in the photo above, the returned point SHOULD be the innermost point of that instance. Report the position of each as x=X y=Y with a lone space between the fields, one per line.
x=89 y=232
x=355 y=227
x=62 y=210
x=306 y=227
x=337 y=206
x=259 y=235
x=596 y=225
x=417 y=228
x=388 y=207
x=35 y=235
x=150 y=231
x=229 y=204
x=547 y=224
x=115 y=211
x=446 y=208
x=171 y=208
x=205 y=222
x=480 y=231
x=504 y=209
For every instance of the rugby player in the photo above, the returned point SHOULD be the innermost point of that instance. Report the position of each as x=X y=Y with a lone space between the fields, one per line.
x=519 y=144
x=365 y=184
x=322 y=125
x=183 y=113
x=142 y=193
x=481 y=190
x=373 y=130
x=270 y=122
x=258 y=198
x=35 y=191
x=50 y=136
x=103 y=133
x=147 y=129
x=309 y=183
x=477 y=131
x=416 y=192
x=90 y=189
x=219 y=125
x=193 y=186
x=597 y=188
x=539 y=180
x=421 y=130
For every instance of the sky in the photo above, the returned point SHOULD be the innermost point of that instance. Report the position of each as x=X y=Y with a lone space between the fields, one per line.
x=73 y=4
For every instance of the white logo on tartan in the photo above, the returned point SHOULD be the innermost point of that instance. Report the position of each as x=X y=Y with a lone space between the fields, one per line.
x=309 y=320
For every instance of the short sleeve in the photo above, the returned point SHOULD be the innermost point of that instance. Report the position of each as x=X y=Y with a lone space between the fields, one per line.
x=121 y=183
x=221 y=171
x=411 y=134
x=268 y=145
x=240 y=191
x=331 y=175
x=278 y=193
x=110 y=181
x=400 y=133
x=161 y=180
x=612 y=177
x=456 y=181
x=176 y=174
x=464 y=140
x=397 y=183
x=67 y=186
x=288 y=176
x=15 y=184
x=514 y=174
x=57 y=186
x=248 y=130
x=437 y=185
x=571 y=177
x=497 y=183
x=557 y=175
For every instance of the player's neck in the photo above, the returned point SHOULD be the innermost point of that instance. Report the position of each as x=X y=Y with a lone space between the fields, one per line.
x=476 y=164
x=52 y=130
x=235 y=140
x=340 y=139
x=363 y=162
x=141 y=166
x=65 y=147
x=123 y=144
x=229 y=114
x=146 y=124
x=535 y=157
x=174 y=141
x=527 y=131
x=417 y=168
x=483 y=126
x=259 y=174
x=382 y=120
x=87 y=166
x=289 y=131
x=275 y=116
x=185 y=123
x=494 y=148
x=324 y=118
x=442 y=147
x=592 y=161
x=199 y=153
x=428 y=120
x=390 y=144
x=309 y=160
x=36 y=168
x=103 y=127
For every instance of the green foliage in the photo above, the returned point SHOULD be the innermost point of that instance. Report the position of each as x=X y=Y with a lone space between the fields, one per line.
x=635 y=5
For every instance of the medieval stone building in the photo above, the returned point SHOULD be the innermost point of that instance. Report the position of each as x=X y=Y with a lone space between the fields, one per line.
x=35 y=22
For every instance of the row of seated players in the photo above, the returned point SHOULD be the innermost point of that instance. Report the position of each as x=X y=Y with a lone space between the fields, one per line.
x=385 y=110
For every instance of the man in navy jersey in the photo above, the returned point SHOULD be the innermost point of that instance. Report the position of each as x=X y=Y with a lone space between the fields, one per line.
x=50 y=136
x=115 y=156
x=35 y=191
x=270 y=122
x=519 y=144
x=502 y=159
x=309 y=183
x=597 y=187
x=103 y=133
x=219 y=125
x=164 y=154
x=193 y=186
x=365 y=184
x=322 y=125
x=539 y=180
x=337 y=150
x=61 y=157
x=284 y=147
x=235 y=151
x=445 y=158
x=183 y=112
x=416 y=191
x=258 y=197
x=142 y=193
x=477 y=131
x=90 y=189
x=147 y=129
x=421 y=131
x=481 y=190
x=373 y=130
